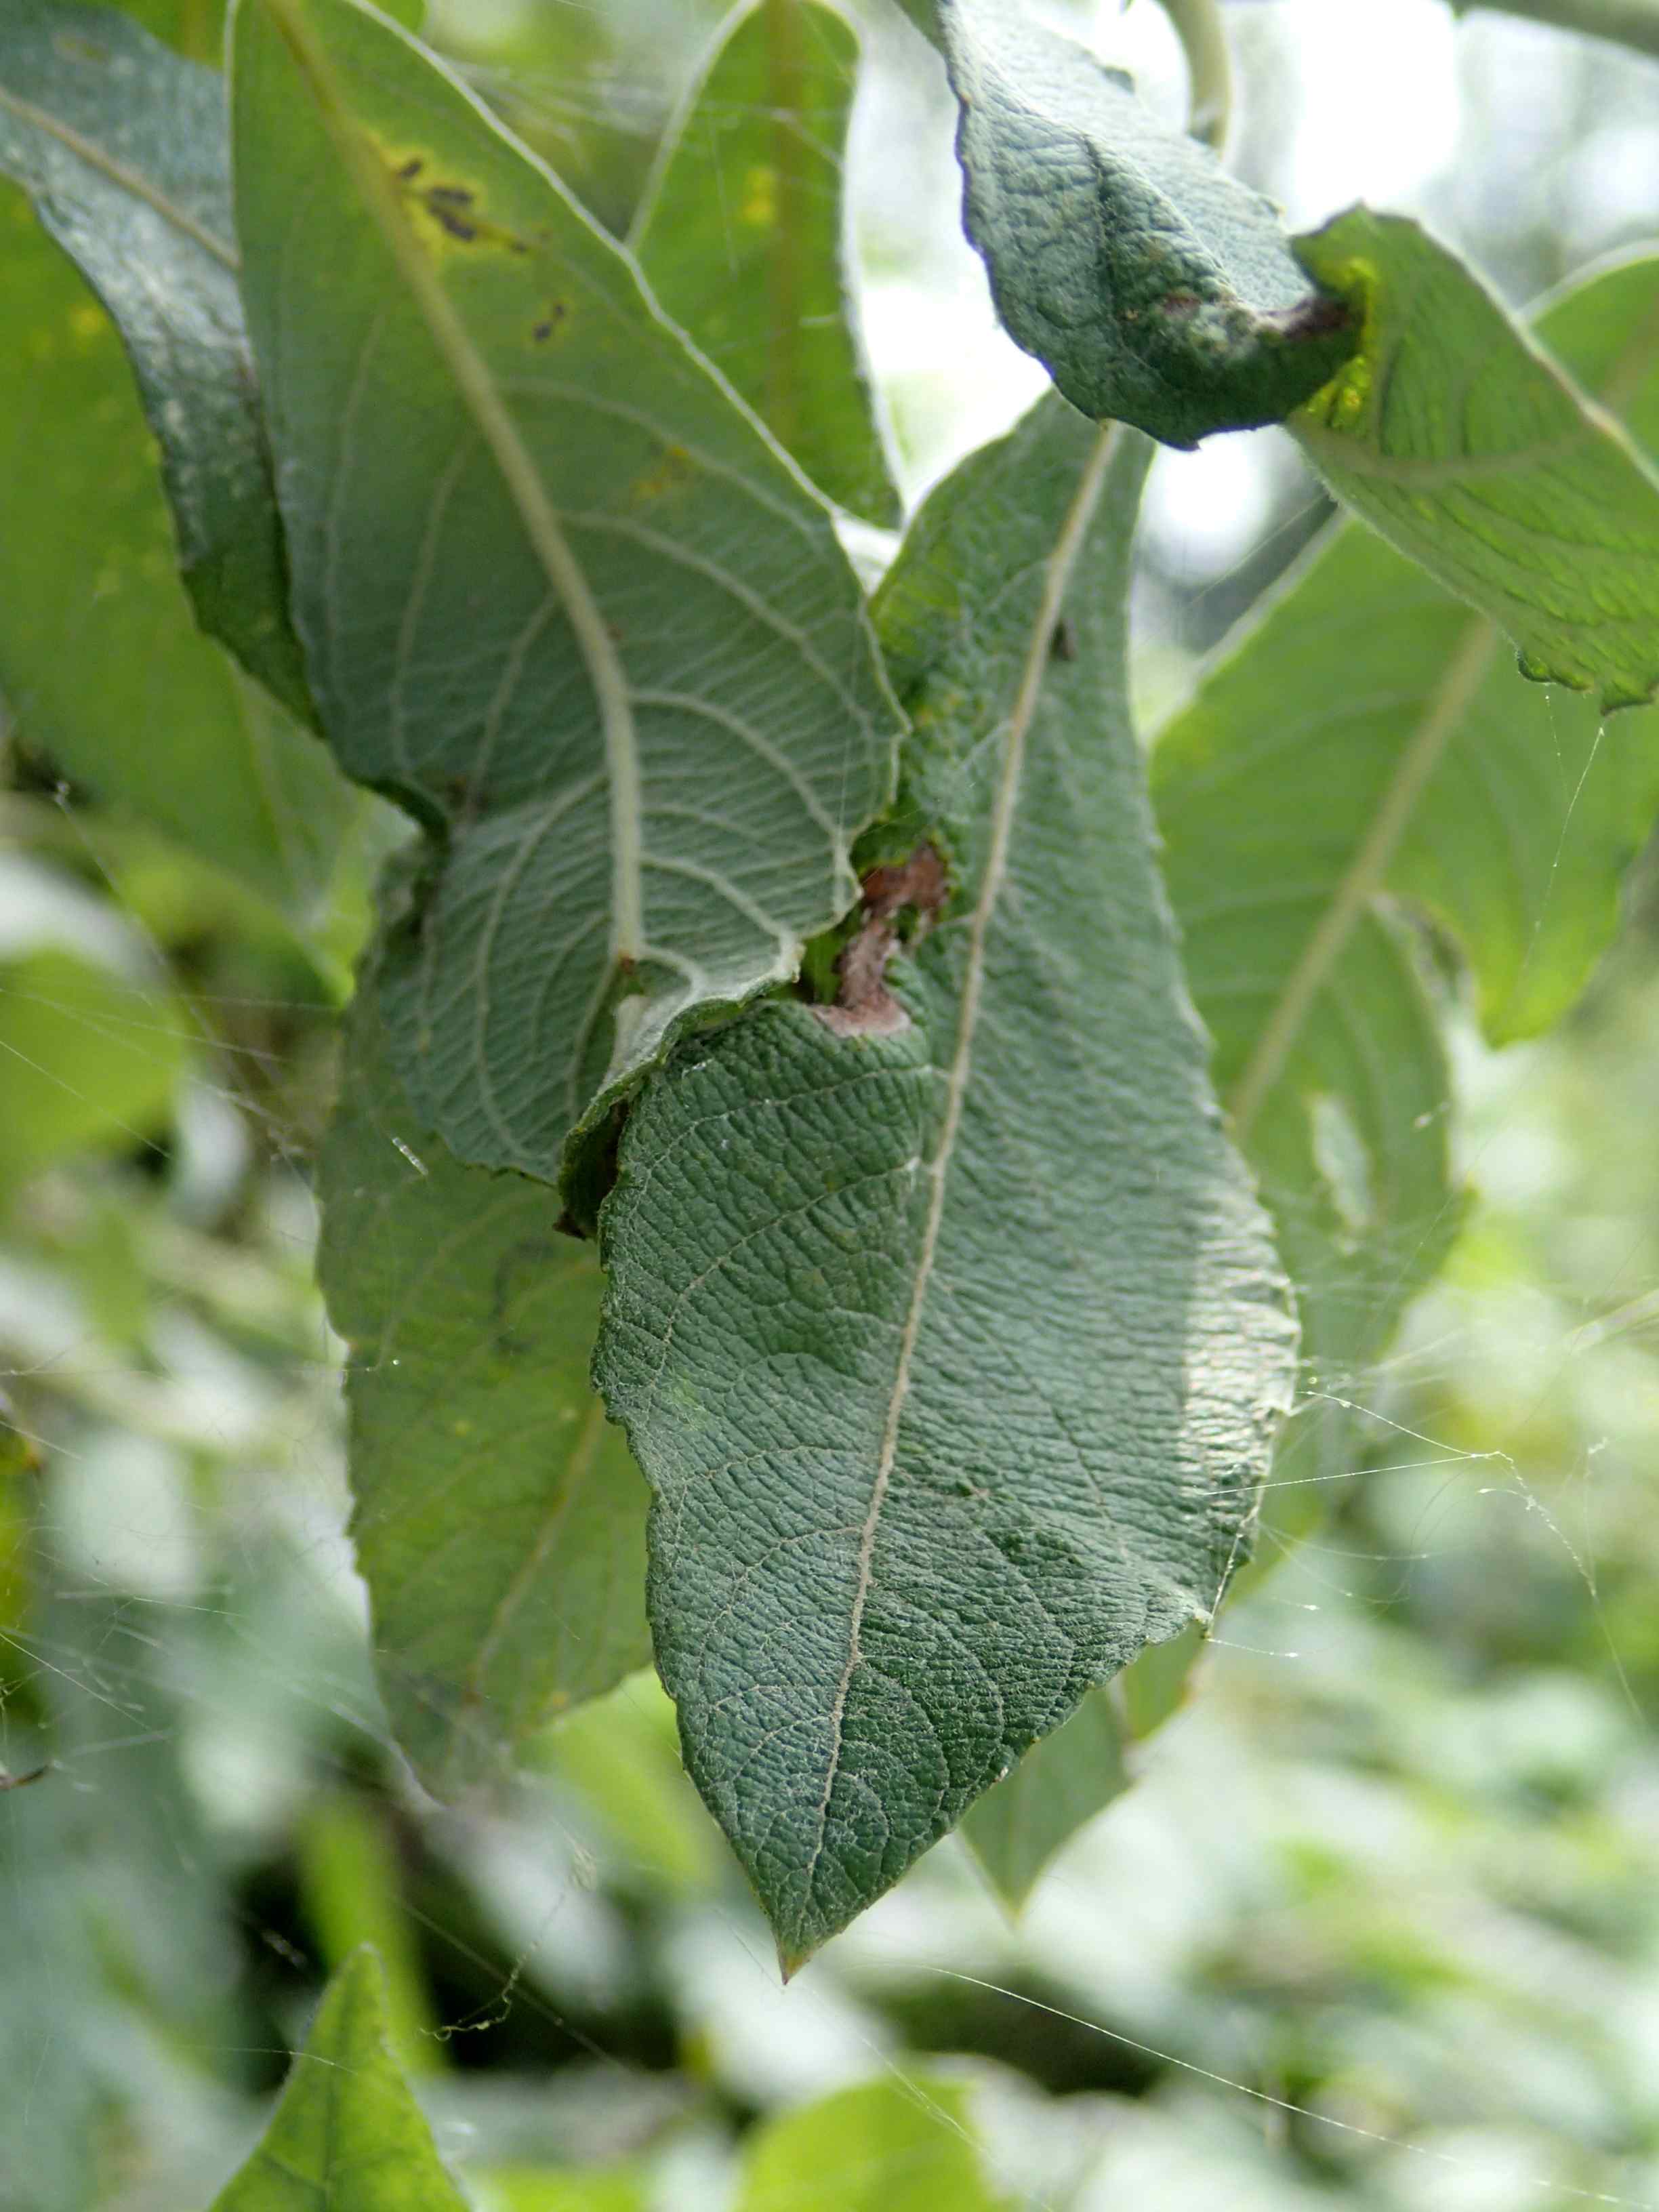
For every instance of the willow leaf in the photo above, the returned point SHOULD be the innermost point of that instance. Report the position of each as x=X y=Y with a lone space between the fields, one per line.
x=954 y=1357
x=741 y=236
x=1463 y=444
x=1154 y=288
x=499 y=1521
x=347 y=2132
x=122 y=146
x=559 y=593
x=1368 y=737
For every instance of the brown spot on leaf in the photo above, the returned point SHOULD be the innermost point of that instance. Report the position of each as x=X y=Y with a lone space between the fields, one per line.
x=864 y=1006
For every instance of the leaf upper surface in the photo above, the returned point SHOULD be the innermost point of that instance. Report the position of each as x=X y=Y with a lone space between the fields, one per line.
x=123 y=148
x=1367 y=736
x=1156 y=289
x=559 y=593
x=954 y=1358
x=1460 y=442
x=498 y=1519
x=741 y=236
x=347 y=2132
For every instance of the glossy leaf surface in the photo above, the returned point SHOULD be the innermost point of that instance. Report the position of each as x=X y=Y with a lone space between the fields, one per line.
x=122 y=146
x=498 y=1519
x=559 y=594
x=347 y=2133
x=1460 y=442
x=954 y=1357
x=1368 y=737
x=741 y=237
x=1155 y=288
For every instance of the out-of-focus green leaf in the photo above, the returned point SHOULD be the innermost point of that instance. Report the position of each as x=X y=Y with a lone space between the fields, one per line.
x=108 y=680
x=347 y=2134
x=1056 y=1789
x=558 y=594
x=955 y=1358
x=1367 y=738
x=621 y=1755
x=122 y=146
x=904 y=2146
x=741 y=236
x=499 y=1520
x=352 y=1885
x=546 y=2188
x=1465 y=446
x=1154 y=288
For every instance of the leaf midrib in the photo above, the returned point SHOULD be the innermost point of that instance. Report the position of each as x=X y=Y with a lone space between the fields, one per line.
x=116 y=172
x=1038 y=660
x=476 y=383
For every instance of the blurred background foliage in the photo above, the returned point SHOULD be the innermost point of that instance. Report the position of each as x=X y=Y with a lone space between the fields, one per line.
x=1378 y=1925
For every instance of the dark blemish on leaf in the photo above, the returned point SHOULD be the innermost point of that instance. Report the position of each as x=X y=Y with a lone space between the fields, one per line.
x=1318 y=317
x=864 y=1006
x=549 y=323
x=411 y=169
x=23 y=1781
x=528 y=1256
x=1063 y=645
x=1182 y=303
x=447 y=218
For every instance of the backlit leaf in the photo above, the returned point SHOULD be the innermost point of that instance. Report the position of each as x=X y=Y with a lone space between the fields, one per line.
x=1460 y=440
x=898 y=2146
x=954 y=1356
x=741 y=238
x=347 y=2134
x=559 y=593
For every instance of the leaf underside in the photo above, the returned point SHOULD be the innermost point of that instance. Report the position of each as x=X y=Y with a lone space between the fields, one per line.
x=498 y=1520
x=1365 y=694
x=558 y=593
x=943 y=1322
x=1155 y=288
x=740 y=237
x=1466 y=448
x=123 y=148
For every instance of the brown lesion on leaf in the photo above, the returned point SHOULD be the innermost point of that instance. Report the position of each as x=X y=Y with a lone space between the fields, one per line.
x=864 y=1006
x=673 y=473
x=446 y=211
x=550 y=326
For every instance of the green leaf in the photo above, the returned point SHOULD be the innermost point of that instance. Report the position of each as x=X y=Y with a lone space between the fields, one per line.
x=108 y=680
x=1154 y=288
x=1057 y=1787
x=347 y=2134
x=559 y=594
x=122 y=147
x=740 y=236
x=899 y=2146
x=1367 y=705
x=1467 y=448
x=93 y=1043
x=499 y=1521
x=550 y=2188
x=954 y=1359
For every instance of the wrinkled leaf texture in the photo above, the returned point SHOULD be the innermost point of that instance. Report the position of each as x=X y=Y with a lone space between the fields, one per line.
x=1467 y=448
x=948 y=1333
x=559 y=593
x=498 y=1520
x=1366 y=740
x=740 y=234
x=1154 y=287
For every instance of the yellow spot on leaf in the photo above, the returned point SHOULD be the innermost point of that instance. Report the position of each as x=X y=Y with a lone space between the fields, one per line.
x=673 y=473
x=759 y=204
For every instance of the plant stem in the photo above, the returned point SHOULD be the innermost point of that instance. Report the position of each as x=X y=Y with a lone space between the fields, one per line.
x=1209 y=67
x=1631 y=23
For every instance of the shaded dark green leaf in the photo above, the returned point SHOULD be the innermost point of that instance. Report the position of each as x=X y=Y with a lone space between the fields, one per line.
x=498 y=1519
x=741 y=237
x=559 y=594
x=955 y=1355
x=1154 y=288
